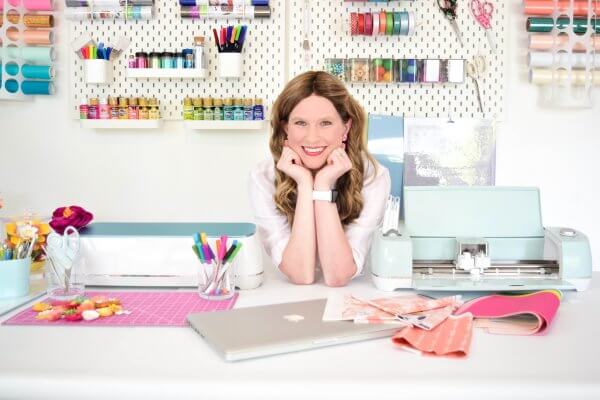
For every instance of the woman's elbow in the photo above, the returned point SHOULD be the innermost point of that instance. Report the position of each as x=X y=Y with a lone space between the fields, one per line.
x=339 y=279
x=302 y=280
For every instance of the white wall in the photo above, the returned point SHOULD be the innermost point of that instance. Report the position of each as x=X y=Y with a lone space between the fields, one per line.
x=46 y=160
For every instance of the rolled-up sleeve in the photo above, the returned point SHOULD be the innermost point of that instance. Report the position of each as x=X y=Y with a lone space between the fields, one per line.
x=272 y=226
x=360 y=232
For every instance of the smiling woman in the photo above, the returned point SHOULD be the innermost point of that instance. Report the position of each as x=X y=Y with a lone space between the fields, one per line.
x=321 y=195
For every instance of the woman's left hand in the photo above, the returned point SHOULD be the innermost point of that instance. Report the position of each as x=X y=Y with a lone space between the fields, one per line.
x=338 y=163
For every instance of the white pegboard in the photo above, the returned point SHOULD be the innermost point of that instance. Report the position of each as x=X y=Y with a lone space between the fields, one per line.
x=434 y=38
x=263 y=58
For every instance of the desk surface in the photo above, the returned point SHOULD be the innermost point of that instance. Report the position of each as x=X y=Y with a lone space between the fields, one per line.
x=170 y=363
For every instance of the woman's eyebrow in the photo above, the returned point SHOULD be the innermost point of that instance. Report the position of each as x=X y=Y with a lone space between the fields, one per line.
x=327 y=117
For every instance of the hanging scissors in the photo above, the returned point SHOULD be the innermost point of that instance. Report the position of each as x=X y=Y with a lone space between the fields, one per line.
x=64 y=248
x=476 y=69
x=482 y=11
x=448 y=7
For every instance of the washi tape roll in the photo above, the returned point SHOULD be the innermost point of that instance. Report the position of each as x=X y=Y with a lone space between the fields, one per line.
x=540 y=59
x=37 y=87
x=541 y=76
x=368 y=24
x=404 y=23
x=382 y=23
x=546 y=7
x=548 y=42
x=354 y=24
x=455 y=71
x=544 y=24
x=389 y=23
x=38 y=5
x=396 y=17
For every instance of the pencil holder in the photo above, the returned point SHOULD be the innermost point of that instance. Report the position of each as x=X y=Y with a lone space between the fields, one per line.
x=230 y=65
x=14 y=277
x=97 y=71
x=215 y=280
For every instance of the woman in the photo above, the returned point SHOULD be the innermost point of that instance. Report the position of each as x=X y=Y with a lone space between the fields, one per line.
x=321 y=196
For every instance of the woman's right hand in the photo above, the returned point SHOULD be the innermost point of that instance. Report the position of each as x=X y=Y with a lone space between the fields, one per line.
x=290 y=164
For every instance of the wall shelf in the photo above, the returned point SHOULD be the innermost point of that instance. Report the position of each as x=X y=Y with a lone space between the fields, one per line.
x=121 y=123
x=185 y=73
x=226 y=125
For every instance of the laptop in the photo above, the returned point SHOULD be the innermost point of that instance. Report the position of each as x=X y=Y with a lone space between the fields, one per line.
x=252 y=332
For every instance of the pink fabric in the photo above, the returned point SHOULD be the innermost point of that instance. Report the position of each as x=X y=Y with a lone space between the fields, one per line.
x=150 y=308
x=541 y=306
x=451 y=338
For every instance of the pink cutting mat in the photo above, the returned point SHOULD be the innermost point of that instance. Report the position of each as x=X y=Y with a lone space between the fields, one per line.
x=147 y=309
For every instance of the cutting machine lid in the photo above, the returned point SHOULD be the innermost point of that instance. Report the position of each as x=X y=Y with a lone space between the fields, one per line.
x=231 y=229
x=472 y=211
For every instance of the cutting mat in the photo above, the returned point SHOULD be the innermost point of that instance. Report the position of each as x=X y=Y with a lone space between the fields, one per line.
x=149 y=308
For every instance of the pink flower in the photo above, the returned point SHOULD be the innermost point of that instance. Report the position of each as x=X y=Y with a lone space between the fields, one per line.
x=75 y=216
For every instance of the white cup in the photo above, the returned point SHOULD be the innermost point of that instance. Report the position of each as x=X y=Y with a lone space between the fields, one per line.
x=97 y=71
x=230 y=65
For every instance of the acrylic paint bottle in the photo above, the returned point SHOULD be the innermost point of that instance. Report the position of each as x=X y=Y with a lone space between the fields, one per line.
x=143 y=112
x=218 y=110
x=133 y=112
x=208 y=109
x=228 y=110
x=248 y=110
x=198 y=110
x=93 y=112
x=123 y=108
x=154 y=112
x=104 y=109
x=259 y=111
x=113 y=107
x=188 y=109
x=83 y=110
x=238 y=110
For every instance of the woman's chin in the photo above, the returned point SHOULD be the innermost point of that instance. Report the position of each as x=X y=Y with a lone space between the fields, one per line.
x=314 y=164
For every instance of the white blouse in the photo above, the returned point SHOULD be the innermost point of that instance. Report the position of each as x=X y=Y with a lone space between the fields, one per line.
x=274 y=229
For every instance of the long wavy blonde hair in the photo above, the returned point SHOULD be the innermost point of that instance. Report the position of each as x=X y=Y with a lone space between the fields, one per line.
x=349 y=200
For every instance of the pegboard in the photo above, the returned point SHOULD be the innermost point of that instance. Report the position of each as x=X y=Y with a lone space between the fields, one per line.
x=263 y=58
x=434 y=38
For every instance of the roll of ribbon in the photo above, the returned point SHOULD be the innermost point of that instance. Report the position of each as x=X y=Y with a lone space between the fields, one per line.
x=389 y=23
x=412 y=23
x=540 y=59
x=37 y=87
x=544 y=24
x=404 y=23
x=541 y=76
x=375 y=24
x=546 y=7
x=548 y=42
x=187 y=3
x=31 y=71
x=368 y=24
x=361 y=24
x=396 y=17
x=354 y=24
x=31 y=36
x=382 y=23
x=38 y=5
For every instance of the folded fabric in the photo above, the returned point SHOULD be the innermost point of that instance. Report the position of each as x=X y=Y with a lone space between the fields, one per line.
x=427 y=320
x=451 y=338
x=401 y=305
x=514 y=315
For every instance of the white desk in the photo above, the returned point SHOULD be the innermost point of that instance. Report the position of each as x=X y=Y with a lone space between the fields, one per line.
x=171 y=363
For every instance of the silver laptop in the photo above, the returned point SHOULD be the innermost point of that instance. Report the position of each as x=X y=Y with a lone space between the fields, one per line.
x=279 y=328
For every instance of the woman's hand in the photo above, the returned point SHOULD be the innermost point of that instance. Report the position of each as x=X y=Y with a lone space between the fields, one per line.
x=338 y=163
x=290 y=164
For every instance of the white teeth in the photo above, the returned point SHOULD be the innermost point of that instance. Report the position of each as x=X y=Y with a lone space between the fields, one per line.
x=314 y=149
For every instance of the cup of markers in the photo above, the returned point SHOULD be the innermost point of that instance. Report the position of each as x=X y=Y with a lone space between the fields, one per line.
x=215 y=275
x=97 y=65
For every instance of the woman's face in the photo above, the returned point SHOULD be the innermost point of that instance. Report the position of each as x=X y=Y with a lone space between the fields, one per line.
x=314 y=129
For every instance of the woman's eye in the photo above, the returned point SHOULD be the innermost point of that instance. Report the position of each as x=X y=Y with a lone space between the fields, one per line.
x=300 y=123
x=326 y=123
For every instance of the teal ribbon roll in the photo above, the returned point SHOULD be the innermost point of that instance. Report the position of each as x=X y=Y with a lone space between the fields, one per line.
x=543 y=24
x=31 y=71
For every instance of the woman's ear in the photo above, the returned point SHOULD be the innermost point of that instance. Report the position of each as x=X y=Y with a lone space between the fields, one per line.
x=348 y=127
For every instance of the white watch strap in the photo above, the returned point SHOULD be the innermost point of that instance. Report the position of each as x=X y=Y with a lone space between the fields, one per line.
x=324 y=195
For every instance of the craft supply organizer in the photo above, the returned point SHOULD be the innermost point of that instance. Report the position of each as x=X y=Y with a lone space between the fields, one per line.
x=274 y=53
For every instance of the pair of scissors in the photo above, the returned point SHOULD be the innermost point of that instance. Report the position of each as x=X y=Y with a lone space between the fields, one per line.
x=476 y=69
x=482 y=11
x=448 y=7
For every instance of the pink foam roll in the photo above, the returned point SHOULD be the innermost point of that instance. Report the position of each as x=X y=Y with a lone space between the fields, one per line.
x=39 y=5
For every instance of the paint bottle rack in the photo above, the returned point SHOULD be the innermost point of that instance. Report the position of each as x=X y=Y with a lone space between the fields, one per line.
x=563 y=62
x=121 y=123
x=257 y=125
x=16 y=52
x=183 y=73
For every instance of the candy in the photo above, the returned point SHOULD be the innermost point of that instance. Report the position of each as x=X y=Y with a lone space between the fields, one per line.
x=90 y=315
x=41 y=307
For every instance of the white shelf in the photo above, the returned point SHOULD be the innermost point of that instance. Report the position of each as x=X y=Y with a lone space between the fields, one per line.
x=226 y=125
x=121 y=123
x=186 y=73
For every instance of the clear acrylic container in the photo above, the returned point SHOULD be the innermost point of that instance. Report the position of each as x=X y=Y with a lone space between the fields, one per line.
x=337 y=67
x=65 y=279
x=215 y=281
x=359 y=70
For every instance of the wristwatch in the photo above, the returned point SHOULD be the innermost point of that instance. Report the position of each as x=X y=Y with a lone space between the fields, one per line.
x=325 y=195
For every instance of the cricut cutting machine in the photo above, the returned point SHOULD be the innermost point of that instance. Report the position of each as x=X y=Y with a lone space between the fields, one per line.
x=478 y=239
x=160 y=254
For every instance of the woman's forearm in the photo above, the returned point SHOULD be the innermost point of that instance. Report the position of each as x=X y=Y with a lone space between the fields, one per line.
x=335 y=253
x=298 y=262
